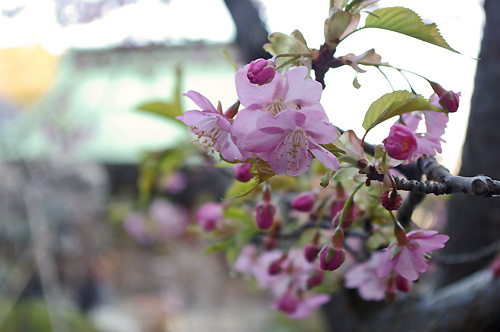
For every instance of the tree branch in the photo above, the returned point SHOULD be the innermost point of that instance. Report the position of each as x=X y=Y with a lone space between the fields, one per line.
x=446 y=183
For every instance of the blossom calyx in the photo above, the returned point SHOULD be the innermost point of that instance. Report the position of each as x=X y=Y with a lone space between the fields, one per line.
x=261 y=71
x=401 y=142
x=391 y=200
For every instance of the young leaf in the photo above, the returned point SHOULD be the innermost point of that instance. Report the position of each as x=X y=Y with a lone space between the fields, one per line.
x=392 y=104
x=407 y=22
x=167 y=110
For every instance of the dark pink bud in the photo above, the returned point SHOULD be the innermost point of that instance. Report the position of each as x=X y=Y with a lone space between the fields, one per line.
x=311 y=251
x=402 y=284
x=242 y=172
x=209 y=215
x=401 y=142
x=265 y=212
x=316 y=278
x=287 y=303
x=304 y=201
x=275 y=267
x=390 y=200
x=495 y=267
x=450 y=101
x=261 y=71
x=330 y=258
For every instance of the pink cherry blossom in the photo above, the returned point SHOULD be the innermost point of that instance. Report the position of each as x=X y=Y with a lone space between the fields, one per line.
x=300 y=306
x=428 y=143
x=212 y=128
x=364 y=277
x=209 y=215
x=290 y=139
x=297 y=91
x=401 y=142
x=406 y=256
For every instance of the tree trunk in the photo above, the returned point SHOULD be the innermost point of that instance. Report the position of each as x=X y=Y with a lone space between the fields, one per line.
x=474 y=222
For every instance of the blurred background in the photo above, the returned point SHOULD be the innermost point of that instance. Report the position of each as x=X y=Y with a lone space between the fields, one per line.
x=88 y=90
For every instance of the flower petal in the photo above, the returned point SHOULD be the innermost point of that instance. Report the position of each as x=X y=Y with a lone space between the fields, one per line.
x=254 y=95
x=386 y=264
x=201 y=101
x=324 y=156
x=300 y=89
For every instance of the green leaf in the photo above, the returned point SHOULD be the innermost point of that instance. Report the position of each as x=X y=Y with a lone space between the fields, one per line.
x=407 y=22
x=167 y=110
x=170 y=109
x=392 y=104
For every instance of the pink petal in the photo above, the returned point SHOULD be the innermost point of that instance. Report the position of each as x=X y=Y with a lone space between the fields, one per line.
x=386 y=264
x=300 y=89
x=201 y=101
x=410 y=264
x=318 y=126
x=435 y=123
x=324 y=156
x=254 y=95
x=411 y=121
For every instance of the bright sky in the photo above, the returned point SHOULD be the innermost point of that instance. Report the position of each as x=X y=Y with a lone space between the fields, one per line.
x=460 y=22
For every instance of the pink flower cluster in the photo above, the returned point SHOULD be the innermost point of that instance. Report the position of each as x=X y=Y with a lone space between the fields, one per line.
x=289 y=276
x=404 y=143
x=282 y=121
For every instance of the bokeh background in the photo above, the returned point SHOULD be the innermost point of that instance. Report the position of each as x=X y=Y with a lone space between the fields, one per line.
x=81 y=86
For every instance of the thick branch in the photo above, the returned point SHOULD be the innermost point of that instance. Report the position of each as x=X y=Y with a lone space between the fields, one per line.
x=468 y=305
x=447 y=183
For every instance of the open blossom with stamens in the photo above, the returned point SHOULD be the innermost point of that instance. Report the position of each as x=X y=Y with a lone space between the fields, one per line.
x=210 y=125
x=290 y=139
x=295 y=91
x=406 y=256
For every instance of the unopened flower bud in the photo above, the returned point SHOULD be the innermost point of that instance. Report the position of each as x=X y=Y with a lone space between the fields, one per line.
x=391 y=201
x=316 y=278
x=401 y=142
x=304 y=202
x=261 y=71
x=264 y=213
x=242 y=172
x=275 y=267
x=287 y=303
x=330 y=258
x=402 y=284
x=311 y=251
x=449 y=100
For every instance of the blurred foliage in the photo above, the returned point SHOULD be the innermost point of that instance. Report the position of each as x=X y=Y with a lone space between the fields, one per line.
x=33 y=315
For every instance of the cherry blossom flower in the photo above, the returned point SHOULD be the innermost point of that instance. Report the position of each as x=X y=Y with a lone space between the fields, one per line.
x=406 y=256
x=401 y=142
x=298 y=91
x=290 y=139
x=300 y=306
x=212 y=128
x=209 y=215
x=364 y=277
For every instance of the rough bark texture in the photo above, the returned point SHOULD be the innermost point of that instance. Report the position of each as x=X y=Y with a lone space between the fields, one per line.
x=469 y=305
x=474 y=222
